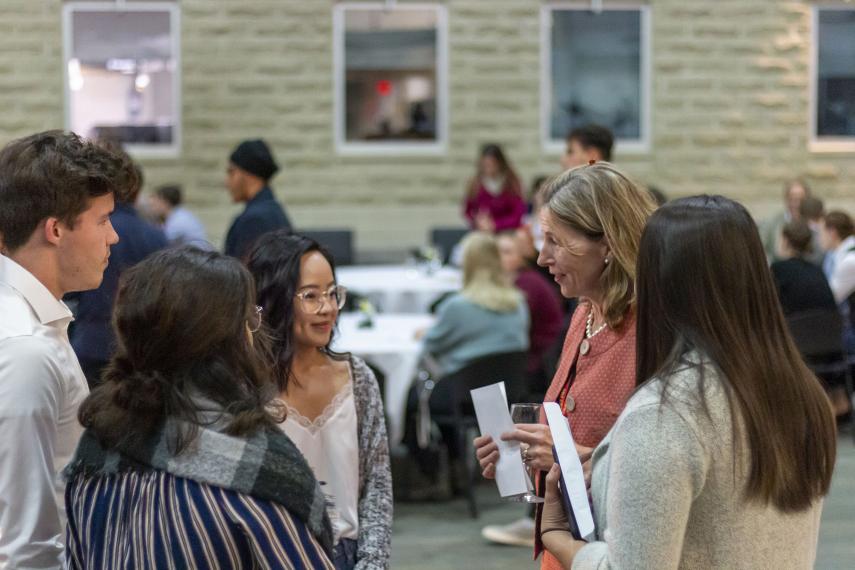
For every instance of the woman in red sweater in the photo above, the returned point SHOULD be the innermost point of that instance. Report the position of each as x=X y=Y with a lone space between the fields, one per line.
x=494 y=200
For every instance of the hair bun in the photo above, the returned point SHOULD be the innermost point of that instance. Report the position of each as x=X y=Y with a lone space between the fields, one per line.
x=141 y=392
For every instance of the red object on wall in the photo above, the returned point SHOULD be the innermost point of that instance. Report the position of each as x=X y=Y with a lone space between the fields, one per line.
x=384 y=87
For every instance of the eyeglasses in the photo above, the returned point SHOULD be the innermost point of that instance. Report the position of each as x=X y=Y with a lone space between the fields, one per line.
x=313 y=301
x=255 y=320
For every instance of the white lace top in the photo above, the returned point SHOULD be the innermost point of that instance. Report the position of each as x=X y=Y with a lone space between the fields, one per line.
x=330 y=445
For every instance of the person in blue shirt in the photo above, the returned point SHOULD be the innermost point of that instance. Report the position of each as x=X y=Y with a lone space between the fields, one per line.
x=180 y=225
x=91 y=334
x=251 y=166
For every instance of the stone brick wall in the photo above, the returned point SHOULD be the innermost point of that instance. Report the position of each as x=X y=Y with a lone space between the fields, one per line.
x=729 y=107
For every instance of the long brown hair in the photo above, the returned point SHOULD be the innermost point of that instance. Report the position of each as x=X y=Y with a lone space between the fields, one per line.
x=601 y=202
x=512 y=181
x=181 y=324
x=703 y=285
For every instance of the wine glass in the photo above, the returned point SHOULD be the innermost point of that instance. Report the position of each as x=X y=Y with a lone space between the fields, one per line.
x=527 y=414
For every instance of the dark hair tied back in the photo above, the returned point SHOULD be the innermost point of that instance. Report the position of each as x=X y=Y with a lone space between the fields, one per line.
x=181 y=325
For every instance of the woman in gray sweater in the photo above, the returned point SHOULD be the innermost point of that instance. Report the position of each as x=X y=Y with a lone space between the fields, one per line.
x=723 y=455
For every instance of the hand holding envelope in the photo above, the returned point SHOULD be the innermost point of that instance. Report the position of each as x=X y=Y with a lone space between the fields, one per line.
x=494 y=419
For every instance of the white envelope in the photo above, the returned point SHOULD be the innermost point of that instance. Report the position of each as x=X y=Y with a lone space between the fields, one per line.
x=494 y=419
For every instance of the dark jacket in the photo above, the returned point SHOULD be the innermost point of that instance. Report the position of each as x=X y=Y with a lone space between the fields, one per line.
x=92 y=333
x=262 y=214
x=801 y=286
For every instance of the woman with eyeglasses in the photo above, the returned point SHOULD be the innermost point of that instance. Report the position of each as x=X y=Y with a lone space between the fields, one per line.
x=335 y=413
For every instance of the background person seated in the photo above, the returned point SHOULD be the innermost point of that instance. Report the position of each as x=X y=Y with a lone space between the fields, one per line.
x=544 y=307
x=488 y=316
x=802 y=286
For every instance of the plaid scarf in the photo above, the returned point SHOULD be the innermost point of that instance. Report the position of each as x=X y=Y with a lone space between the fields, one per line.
x=266 y=465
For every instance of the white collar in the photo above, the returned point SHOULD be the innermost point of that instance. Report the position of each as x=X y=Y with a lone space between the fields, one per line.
x=844 y=246
x=48 y=308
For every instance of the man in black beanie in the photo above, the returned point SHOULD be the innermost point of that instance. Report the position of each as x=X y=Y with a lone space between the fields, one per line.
x=251 y=166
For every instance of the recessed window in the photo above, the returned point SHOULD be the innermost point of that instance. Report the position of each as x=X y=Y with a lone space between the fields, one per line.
x=833 y=76
x=390 y=78
x=596 y=70
x=122 y=75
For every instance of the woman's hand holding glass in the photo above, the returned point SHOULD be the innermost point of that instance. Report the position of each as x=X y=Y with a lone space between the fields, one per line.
x=539 y=451
x=538 y=438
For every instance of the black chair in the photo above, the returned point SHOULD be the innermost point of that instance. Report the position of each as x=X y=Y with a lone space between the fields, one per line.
x=338 y=242
x=451 y=405
x=818 y=334
x=446 y=238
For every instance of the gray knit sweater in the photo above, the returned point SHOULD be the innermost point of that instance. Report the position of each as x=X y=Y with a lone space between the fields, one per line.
x=668 y=494
x=375 y=475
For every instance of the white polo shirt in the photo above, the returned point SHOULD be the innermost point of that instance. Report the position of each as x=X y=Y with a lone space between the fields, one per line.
x=41 y=388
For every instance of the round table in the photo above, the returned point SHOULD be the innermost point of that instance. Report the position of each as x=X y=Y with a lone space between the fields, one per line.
x=399 y=288
x=390 y=345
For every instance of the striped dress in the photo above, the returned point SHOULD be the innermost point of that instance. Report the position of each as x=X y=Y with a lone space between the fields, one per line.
x=152 y=520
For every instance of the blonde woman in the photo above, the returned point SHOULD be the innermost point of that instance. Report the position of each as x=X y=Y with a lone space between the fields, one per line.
x=488 y=316
x=592 y=221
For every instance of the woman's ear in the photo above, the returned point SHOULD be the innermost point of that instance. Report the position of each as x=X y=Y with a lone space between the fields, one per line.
x=606 y=252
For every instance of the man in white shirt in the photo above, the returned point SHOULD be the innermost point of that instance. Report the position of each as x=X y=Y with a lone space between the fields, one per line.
x=56 y=193
x=839 y=265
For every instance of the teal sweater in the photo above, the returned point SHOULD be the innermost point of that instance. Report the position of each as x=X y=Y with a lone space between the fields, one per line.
x=465 y=331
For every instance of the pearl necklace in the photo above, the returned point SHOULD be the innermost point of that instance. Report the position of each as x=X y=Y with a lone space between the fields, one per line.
x=585 y=347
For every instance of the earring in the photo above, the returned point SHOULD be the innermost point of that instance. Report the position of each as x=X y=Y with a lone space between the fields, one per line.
x=607 y=261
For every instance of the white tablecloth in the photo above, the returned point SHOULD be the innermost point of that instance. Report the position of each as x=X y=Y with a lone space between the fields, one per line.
x=399 y=288
x=391 y=346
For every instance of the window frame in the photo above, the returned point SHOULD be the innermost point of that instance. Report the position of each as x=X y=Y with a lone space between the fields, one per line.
x=639 y=146
x=816 y=143
x=172 y=150
x=388 y=148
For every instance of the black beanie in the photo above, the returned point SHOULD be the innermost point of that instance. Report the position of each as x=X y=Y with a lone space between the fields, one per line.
x=254 y=156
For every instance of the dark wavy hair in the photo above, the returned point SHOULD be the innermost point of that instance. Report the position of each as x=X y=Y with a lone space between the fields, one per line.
x=181 y=323
x=703 y=285
x=274 y=262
